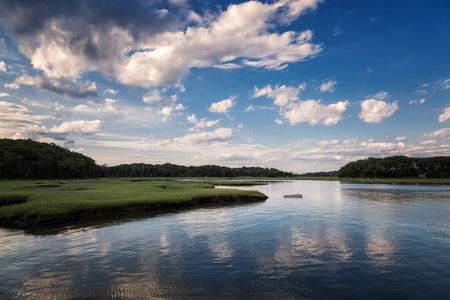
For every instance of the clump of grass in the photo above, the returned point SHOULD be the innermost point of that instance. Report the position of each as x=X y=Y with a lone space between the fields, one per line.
x=13 y=199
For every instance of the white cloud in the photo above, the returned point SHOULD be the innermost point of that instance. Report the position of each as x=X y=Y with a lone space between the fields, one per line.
x=445 y=116
x=153 y=96
x=222 y=106
x=2 y=66
x=228 y=66
x=444 y=132
x=401 y=139
x=12 y=114
x=84 y=127
x=68 y=88
x=282 y=95
x=328 y=86
x=278 y=121
x=110 y=91
x=218 y=135
x=161 y=49
x=203 y=123
x=421 y=101
x=314 y=113
x=445 y=84
x=250 y=108
x=3 y=95
x=296 y=111
x=374 y=111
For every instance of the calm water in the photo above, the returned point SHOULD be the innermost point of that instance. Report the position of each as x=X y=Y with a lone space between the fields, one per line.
x=340 y=241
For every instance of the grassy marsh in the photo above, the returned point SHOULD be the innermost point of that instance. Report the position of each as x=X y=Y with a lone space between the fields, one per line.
x=58 y=201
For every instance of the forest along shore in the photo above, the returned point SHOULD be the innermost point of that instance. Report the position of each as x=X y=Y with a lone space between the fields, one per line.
x=34 y=203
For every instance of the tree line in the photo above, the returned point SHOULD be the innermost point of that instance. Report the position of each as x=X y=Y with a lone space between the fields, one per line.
x=398 y=167
x=26 y=159
x=171 y=170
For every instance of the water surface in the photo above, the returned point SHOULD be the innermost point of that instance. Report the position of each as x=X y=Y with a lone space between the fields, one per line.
x=340 y=241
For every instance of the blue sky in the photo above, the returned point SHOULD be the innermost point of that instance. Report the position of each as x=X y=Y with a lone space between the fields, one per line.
x=299 y=85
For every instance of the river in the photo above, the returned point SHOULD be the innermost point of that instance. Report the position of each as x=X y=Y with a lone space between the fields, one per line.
x=340 y=241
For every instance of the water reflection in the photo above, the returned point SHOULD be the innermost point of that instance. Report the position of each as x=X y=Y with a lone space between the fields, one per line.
x=215 y=226
x=338 y=241
x=380 y=250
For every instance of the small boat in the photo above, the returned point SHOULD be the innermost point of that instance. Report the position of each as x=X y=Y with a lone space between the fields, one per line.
x=294 y=196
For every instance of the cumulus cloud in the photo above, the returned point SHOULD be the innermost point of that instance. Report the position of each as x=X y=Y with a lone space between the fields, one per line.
x=70 y=89
x=223 y=106
x=202 y=123
x=328 y=86
x=83 y=127
x=375 y=110
x=401 y=139
x=218 y=135
x=282 y=95
x=3 y=95
x=314 y=113
x=445 y=116
x=2 y=66
x=297 y=111
x=144 y=45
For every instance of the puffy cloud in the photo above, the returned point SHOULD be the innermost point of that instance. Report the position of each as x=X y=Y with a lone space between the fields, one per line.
x=313 y=112
x=84 y=127
x=328 y=86
x=3 y=95
x=153 y=96
x=445 y=116
x=282 y=95
x=2 y=66
x=68 y=88
x=203 y=123
x=222 y=106
x=401 y=139
x=374 y=111
x=146 y=46
x=297 y=111
x=218 y=135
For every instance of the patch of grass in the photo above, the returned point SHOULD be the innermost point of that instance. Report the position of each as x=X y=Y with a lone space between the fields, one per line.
x=78 y=196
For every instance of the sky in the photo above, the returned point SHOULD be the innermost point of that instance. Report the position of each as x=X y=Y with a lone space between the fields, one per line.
x=298 y=85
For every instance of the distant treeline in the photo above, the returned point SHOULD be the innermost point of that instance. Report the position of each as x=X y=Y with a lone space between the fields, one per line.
x=25 y=159
x=398 y=167
x=320 y=174
x=171 y=170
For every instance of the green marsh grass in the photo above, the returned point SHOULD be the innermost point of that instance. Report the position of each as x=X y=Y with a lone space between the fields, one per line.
x=47 y=199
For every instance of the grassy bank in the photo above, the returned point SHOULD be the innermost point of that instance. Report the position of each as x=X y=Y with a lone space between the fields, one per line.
x=49 y=202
